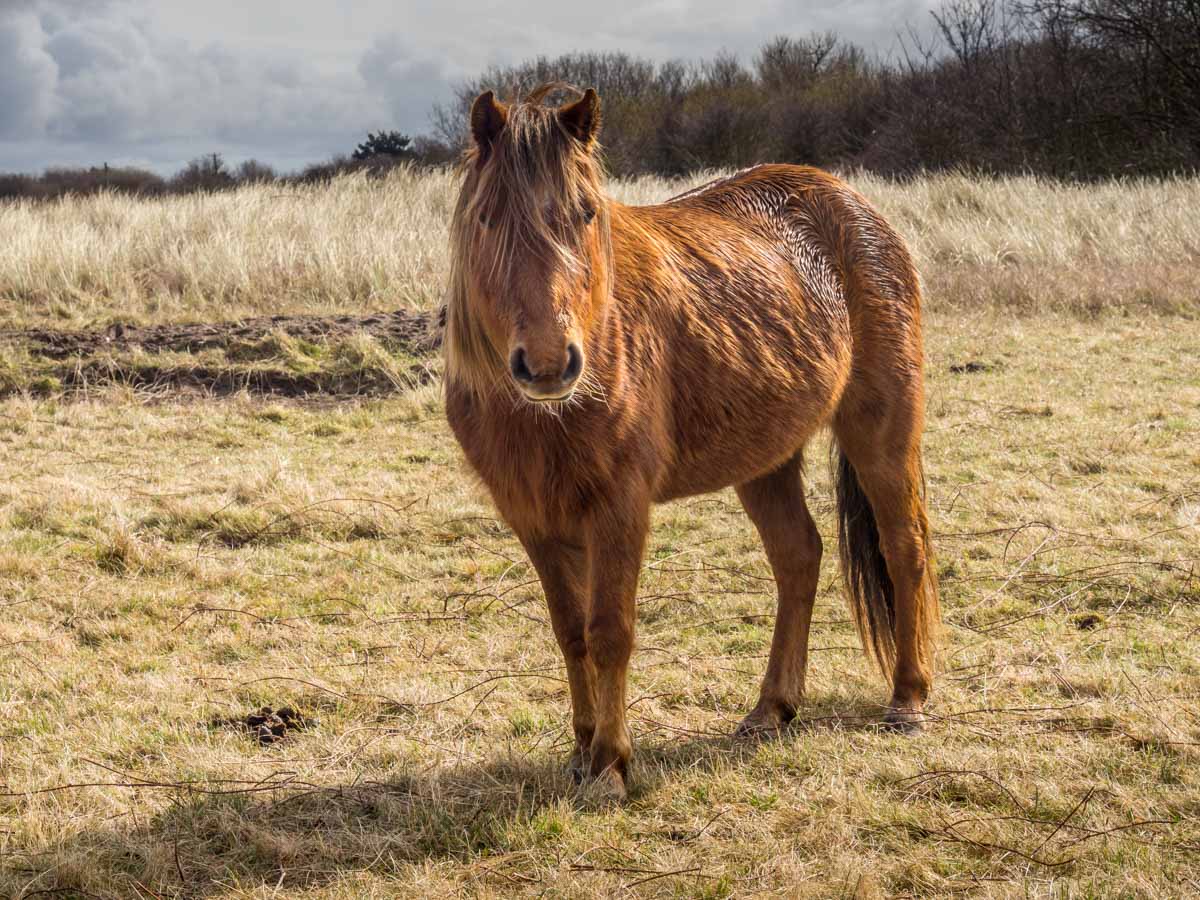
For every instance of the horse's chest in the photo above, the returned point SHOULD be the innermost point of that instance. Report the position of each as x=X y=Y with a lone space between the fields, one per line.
x=533 y=470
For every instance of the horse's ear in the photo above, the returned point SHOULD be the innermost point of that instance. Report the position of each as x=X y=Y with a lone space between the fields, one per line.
x=582 y=118
x=488 y=118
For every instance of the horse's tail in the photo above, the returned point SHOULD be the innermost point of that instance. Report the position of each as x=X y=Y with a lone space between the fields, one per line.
x=868 y=584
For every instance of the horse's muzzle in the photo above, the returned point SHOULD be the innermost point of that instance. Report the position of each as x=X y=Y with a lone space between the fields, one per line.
x=546 y=383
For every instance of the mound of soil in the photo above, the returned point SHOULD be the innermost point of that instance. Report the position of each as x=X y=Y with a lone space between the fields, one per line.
x=413 y=332
x=267 y=725
x=972 y=367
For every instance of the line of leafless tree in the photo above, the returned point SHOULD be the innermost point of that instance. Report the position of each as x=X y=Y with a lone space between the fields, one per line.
x=1071 y=88
x=1075 y=89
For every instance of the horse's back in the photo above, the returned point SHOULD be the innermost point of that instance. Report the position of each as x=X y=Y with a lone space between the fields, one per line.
x=745 y=305
x=850 y=262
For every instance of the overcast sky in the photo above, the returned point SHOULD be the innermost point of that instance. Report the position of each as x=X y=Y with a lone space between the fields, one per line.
x=157 y=82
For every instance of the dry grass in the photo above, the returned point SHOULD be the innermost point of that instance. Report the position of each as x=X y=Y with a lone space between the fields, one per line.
x=361 y=245
x=167 y=565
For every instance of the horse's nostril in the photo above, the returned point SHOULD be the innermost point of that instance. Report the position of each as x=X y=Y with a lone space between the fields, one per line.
x=574 y=363
x=520 y=368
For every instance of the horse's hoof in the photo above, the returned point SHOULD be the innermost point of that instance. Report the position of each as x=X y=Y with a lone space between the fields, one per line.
x=765 y=720
x=608 y=786
x=759 y=725
x=579 y=766
x=904 y=720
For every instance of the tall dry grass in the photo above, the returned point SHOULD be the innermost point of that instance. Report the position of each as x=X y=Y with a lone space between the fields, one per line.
x=359 y=244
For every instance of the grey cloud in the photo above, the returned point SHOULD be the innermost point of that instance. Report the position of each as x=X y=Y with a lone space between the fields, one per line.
x=110 y=82
x=408 y=82
x=89 y=80
x=120 y=78
x=113 y=77
x=28 y=76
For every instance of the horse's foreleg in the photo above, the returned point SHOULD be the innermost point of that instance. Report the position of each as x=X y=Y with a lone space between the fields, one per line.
x=616 y=542
x=562 y=569
x=775 y=503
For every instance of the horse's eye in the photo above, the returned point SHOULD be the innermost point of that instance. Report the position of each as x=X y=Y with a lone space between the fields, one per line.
x=589 y=213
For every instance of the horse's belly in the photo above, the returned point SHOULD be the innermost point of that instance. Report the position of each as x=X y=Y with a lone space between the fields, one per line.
x=736 y=454
x=727 y=433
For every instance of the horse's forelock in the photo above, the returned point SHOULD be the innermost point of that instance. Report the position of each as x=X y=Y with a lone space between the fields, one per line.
x=535 y=182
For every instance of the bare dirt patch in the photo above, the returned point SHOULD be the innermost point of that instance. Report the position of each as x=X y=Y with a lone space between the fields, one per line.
x=408 y=330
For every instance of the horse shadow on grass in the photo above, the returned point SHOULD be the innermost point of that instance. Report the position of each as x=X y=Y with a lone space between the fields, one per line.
x=290 y=835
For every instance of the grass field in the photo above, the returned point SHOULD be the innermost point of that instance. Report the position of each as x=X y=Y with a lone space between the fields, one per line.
x=366 y=245
x=174 y=558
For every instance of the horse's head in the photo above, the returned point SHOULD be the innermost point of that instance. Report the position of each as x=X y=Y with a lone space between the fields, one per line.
x=531 y=248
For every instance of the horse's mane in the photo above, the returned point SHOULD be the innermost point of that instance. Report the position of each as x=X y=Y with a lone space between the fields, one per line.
x=523 y=201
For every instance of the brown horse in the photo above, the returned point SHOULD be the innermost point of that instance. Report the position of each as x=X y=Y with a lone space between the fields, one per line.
x=601 y=358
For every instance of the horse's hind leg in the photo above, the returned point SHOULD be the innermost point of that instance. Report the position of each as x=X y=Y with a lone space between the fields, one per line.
x=775 y=503
x=885 y=541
